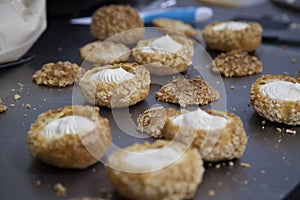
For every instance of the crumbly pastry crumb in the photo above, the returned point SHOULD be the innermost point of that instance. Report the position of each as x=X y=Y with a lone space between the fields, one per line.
x=237 y=63
x=60 y=189
x=187 y=92
x=3 y=108
x=246 y=165
x=211 y=193
x=17 y=97
x=60 y=74
x=38 y=183
x=175 y=25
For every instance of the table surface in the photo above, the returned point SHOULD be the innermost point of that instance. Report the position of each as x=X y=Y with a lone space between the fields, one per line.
x=274 y=157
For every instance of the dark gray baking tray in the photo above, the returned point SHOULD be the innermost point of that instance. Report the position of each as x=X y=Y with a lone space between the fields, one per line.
x=274 y=157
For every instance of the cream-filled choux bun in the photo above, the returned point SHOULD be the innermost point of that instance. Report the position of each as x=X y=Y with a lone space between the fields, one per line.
x=217 y=135
x=161 y=170
x=70 y=137
x=233 y=35
x=104 y=52
x=117 y=85
x=277 y=98
x=164 y=55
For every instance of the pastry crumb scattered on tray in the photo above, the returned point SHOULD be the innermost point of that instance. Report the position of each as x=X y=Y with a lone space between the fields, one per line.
x=246 y=165
x=60 y=189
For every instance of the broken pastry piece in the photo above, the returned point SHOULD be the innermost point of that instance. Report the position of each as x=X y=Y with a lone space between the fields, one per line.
x=277 y=98
x=164 y=55
x=237 y=63
x=175 y=25
x=110 y=21
x=70 y=137
x=152 y=121
x=233 y=35
x=117 y=85
x=217 y=135
x=170 y=171
x=3 y=108
x=188 y=92
x=60 y=74
x=105 y=52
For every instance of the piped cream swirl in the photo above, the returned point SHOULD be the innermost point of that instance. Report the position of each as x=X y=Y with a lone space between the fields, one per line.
x=69 y=125
x=112 y=75
x=200 y=120
x=234 y=26
x=281 y=90
x=163 y=45
x=155 y=158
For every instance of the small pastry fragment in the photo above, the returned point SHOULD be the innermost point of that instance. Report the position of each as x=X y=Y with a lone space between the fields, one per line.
x=152 y=121
x=217 y=135
x=277 y=98
x=70 y=137
x=175 y=25
x=233 y=35
x=237 y=63
x=105 y=52
x=164 y=55
x=60 y=74
x=3 y=108
x=188 y=92
x=161 y=170
x=117 y=85
x=108 y=21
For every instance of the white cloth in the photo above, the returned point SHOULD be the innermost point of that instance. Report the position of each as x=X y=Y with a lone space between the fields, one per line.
x=21 y=24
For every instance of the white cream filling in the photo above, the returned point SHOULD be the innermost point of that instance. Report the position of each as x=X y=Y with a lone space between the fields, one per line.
x=200 y=120
x=69 y=125
x=234 y=26
x=112 y=75
x=151 y=159
x=163 y=45
x=281 y=90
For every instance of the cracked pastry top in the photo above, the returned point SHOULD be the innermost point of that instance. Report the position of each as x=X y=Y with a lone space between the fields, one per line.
x=109 y=21
x=188 y=92
x=217 y=135
x=70 y=137
x=60 y=74
x=164 y=55
x=277 y=98
x=117 y=85
x=105 y=52
x=233 y=35
x=171 y=172
x=236 y=63
x=175 y=25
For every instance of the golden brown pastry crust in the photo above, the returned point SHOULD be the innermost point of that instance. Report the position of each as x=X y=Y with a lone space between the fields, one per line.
x=165 y=63
x=3 y=108
x=175 y=25
x=237 y=63
x=215 y=145
x=176 y=181
x=60 y=74
x=152 y=121
x=248 y=39
x=125 y=93
x=108 y=21
x=105 y=52
x=70 y=150
x=287 y=112
x=188 y=92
